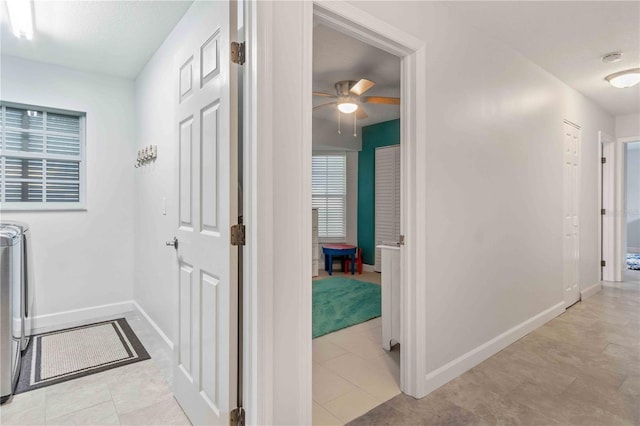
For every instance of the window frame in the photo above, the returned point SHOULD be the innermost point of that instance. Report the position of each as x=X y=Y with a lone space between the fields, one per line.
x=80 y=205
x=342 y=238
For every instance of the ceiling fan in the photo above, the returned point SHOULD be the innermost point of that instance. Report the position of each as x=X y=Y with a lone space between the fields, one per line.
x=348 y=95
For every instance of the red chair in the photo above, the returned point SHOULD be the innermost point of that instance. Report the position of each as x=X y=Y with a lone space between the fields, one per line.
x=346 y=262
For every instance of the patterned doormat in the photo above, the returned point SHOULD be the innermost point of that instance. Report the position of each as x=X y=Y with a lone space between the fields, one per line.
x=633 y=261
x=63 y=355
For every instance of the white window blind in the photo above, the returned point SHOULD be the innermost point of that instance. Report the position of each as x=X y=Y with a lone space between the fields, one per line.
x=329 y=190
x=41 y=158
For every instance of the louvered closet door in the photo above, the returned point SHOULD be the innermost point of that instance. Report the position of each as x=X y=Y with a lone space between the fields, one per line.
x=387 y=217
x=205 y=369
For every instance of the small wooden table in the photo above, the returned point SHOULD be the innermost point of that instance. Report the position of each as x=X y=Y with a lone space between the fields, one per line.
x=330 y=250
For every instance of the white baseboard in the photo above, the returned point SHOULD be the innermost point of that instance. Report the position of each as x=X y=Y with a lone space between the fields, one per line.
x=633 y=249
x=154 y=325
x=590 y=291
x=75 y=317
x=368 y=268
x=453 y=369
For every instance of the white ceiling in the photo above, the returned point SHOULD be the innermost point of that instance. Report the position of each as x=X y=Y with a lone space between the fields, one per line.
x=111 y=37
x=568 y=38
x=339 y=57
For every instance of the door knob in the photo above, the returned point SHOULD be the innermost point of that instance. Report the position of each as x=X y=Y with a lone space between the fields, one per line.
x=173 y=243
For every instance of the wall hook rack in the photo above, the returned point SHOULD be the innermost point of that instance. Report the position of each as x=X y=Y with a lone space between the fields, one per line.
x=146 y=155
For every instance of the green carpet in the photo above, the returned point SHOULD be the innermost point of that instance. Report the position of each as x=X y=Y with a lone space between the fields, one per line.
x=342 y=302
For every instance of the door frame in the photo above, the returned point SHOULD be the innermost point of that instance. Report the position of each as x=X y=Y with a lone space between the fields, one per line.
x=260 y=354
x=606 y=182
x=617 y=238
x=354 y=22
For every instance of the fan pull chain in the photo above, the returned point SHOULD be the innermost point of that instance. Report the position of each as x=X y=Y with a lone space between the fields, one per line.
x=339 y=132
x=355 y=130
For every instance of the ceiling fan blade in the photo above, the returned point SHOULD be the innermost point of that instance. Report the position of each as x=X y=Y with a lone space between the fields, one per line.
x=362 y=86
x=324 y=105
x=381 y=100
x=361 y=114
x=328 y=95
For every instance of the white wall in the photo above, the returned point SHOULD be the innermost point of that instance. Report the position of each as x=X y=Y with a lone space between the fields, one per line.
x=82 y=258
x=155 y=286
x=633 y=197
x=628 y=126
x=494 y=170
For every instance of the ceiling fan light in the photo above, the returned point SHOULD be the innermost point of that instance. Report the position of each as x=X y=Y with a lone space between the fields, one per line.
x=347 y=107
x=21 y=18
x=624 y=79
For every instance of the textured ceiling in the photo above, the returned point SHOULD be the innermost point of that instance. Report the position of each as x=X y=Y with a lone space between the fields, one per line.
x=339 y=57
x=568 y=38
x=110 y=37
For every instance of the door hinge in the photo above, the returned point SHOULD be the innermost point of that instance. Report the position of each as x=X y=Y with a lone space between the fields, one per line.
x=237 y=235
x=603 y=211
x=603 y=160
x=236 y=417
x=603 y=263
x=237 y=52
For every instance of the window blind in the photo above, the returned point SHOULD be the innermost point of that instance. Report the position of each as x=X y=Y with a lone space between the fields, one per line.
x=40 y=157
x=329 y=189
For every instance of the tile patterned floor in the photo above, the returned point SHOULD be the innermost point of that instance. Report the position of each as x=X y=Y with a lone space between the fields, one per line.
x=351 y=372
x=582 y=368
x=136 y=394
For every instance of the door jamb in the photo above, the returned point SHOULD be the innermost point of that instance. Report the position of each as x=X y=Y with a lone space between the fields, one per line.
x=605 y=139
x=352 y=21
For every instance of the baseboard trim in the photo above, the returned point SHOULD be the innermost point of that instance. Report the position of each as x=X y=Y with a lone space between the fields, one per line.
x=453 y=369
x=368 y=268
x=59 y=320
x=590 y=291
x=154 y=325
x=633 y=249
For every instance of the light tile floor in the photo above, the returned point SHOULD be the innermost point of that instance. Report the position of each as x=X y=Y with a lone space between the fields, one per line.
x=351 y=372
x=581 y=368
x=136 y=394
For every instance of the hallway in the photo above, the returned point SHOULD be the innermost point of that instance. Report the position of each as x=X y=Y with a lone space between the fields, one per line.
x=581 y=368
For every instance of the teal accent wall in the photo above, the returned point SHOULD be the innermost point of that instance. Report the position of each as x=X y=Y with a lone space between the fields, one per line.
x=374 y=136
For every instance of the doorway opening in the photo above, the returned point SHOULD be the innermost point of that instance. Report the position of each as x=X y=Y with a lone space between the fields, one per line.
x=620 y=209
x=631 y=217
x=356 y=209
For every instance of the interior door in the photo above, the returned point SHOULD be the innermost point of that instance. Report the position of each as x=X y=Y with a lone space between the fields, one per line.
x=571 y=226
x=608 y=206
x=206 y=280
x=387 y=203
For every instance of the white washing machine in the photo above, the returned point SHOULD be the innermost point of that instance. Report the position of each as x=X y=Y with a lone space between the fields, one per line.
x=10 y=309
x=27 y=279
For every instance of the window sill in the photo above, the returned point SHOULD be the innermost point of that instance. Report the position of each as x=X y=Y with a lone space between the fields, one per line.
x=10 y=207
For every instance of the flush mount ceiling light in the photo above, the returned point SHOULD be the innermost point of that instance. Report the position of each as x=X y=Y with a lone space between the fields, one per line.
x=21 y=18
x=347 y=107
x=624 y=79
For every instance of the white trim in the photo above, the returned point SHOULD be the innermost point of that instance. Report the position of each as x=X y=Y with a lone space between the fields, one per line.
x=155 y=326
x=64 y=319
x=354 y=22
x=590 y=291
x=633 y=249
x=368 y=268
x=453 y=369
x=259 y=349
x=606 y=249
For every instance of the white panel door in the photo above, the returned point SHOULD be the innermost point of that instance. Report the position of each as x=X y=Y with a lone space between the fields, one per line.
x=387 y=204
x=206 y=280
x=571 y=225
